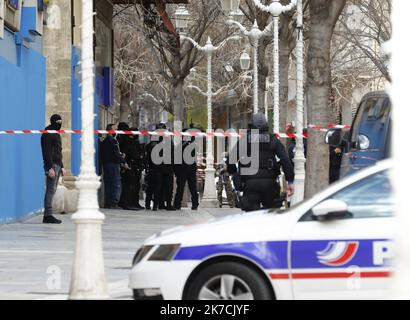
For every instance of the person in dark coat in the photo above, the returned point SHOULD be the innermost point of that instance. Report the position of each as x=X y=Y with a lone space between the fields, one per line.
x=139 y=165
x=112 y=159
x=129 y=179
x=51 y=147
x=335 y=162
x=262 y=188
x=162 y=174
x=186 y=172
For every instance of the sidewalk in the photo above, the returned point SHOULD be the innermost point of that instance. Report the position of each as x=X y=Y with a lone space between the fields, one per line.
x=36 y=259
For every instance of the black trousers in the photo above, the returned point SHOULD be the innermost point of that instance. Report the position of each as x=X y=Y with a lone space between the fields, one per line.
x=112 y=184
x=184 y=176
x=164 y=188
x=151 y=183
x=130 y=188
x=334 y=174
x=257 y=192
x=51 y=188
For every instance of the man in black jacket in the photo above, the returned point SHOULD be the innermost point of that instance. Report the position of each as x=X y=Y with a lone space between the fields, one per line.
x=262 y=187
x=111 y=159
x=186 y=172
x=53 y=165
x=161 y=170
x=129 y=177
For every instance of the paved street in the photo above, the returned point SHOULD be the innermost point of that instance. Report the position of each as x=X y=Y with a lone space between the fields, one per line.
x=32 y=254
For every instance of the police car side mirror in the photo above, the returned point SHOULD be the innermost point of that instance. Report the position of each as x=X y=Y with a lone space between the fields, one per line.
x=330 y=209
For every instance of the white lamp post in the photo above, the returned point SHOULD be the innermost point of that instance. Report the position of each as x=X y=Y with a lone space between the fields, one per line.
x=267 y=88
x=275 y=9
x=299 y=159
x=88 y=276
x=254 y=35
x=209 y=199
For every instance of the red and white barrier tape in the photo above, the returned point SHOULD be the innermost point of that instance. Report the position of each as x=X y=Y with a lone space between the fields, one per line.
x=150 y=133
x=166 y=133
x=329 y=126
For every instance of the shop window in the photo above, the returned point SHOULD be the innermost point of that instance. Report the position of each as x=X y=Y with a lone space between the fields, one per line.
x=104 y=44
x=41 y=9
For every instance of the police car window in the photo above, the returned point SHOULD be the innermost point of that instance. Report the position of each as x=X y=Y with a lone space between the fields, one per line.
x=368 y=198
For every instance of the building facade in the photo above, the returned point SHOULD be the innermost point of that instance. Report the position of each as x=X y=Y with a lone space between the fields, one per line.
x=22 y=106
x=40 y=49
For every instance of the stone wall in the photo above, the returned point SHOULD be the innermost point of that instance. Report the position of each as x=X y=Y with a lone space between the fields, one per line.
x=57 y=50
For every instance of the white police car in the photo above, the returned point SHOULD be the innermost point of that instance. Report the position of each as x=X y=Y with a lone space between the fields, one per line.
x=334 y=246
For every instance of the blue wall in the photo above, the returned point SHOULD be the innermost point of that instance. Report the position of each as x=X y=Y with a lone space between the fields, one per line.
x=22 y=106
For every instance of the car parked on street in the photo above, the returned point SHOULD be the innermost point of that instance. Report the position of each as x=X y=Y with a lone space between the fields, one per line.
x=336 y=245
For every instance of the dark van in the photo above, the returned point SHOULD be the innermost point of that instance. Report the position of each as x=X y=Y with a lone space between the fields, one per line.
x=369 y=139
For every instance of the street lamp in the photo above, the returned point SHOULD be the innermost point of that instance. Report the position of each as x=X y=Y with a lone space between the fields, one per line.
x=230 y=5
x=299 y=159
x=275 y=9
x=209 y=199
x=192 y=74
x=88 y=276
x=181 y=17
x=254 y=36
x=245 y=61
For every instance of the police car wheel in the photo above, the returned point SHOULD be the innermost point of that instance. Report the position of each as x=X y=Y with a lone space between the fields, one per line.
x=228 y=281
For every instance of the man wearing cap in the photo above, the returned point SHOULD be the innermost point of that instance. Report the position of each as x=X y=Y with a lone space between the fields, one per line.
x=53 y=165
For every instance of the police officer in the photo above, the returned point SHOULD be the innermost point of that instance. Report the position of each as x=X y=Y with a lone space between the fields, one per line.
x=129 y=178
x=186 y=172
x=262 y=187
x=139 y=165
x=162 y=175
x=112 y=160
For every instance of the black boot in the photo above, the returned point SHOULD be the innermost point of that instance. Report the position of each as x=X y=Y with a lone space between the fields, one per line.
x=51 y=220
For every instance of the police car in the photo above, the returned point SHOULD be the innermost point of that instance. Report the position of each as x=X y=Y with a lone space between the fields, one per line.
x=336 y=245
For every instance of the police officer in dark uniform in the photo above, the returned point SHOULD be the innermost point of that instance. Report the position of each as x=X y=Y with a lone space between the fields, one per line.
x=139 y=165
x=335 y=162
x=263 y=186
x=129 y=179
x=112 y=160
x=186 y=172
x=162 y=174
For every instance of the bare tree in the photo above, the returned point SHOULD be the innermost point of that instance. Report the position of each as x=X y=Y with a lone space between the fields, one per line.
x=176 y=59
x=324 y=15
x=134 y=75
x=367 y=26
